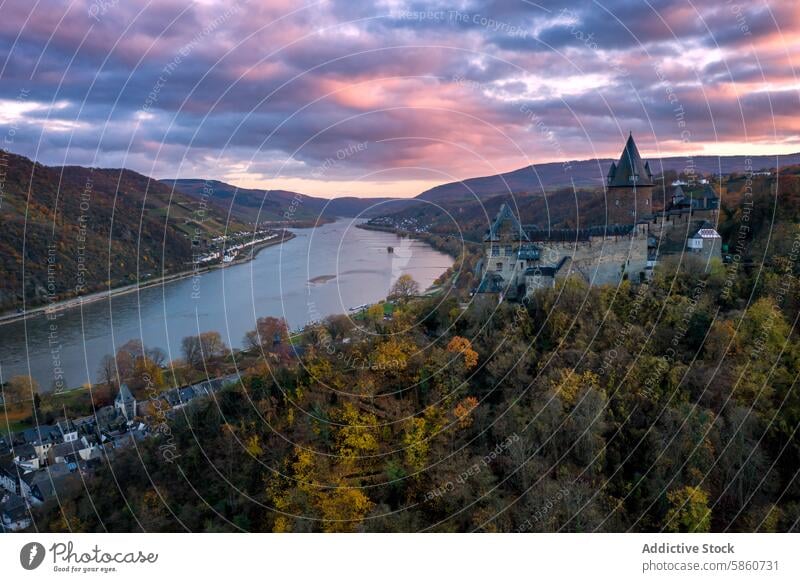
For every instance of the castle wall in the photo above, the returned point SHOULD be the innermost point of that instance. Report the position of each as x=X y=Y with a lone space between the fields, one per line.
x=601 y=261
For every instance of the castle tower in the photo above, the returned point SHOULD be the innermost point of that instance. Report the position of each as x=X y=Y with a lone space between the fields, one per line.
x=630 y=187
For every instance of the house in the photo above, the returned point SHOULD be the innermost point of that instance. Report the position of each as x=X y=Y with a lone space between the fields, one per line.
x=706 y=242
x=26 y=458
x=125 y=402
x=71 y=453
x=172 y=397
x=699 y=199
x=187 y=394
x=42 y=486
x=10 y=475
x=106 y=418
x=15 y=514
x=130 y=438
x=69 y=431
x=48 y=436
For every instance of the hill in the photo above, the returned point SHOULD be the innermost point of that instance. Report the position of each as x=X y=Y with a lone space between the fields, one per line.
x=69 y=231
x=274 y=205
x=582 y=207
x=589 y=174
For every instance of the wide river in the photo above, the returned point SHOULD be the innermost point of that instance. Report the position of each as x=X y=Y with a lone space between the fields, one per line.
x=321 y=271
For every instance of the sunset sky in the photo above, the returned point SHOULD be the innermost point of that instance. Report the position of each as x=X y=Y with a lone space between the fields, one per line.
x=388 y=97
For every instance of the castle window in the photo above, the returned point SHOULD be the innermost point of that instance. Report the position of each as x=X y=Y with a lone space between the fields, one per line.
x=495 y=251
x=499 y=267
x=508 y=250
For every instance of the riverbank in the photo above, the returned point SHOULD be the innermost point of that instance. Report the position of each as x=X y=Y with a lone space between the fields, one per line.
x=277 y=283
x=10 y=317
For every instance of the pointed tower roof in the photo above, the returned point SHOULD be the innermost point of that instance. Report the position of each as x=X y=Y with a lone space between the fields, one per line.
x=124 y=394
x=631 y=169
x=503 y=215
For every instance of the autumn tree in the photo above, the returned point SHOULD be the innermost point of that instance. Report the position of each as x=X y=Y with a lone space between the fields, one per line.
x=338 y=326
x=461 y=345
x=107 y=370
x=404 y=289
x=463 y=411
x=270 y=335
x=688 y=511
x=126 y=357
x=20 y=389
x=200 y=350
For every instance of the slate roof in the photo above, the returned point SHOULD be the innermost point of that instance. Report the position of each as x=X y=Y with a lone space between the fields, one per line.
x=631 y=170
x=48 y=479
x=25 y=451
x=124 y=394
x=706 y=192
x=491 y=283
x=66 y=449
x=14 y=507
x=504 y=214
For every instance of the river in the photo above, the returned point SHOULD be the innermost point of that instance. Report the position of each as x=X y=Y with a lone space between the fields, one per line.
x=322 y=271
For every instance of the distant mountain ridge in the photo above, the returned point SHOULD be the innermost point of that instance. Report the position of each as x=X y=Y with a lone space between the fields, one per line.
x=275 y=205
x=588 y=174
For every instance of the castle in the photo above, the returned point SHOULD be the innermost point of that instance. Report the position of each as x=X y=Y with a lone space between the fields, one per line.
x=518 y=259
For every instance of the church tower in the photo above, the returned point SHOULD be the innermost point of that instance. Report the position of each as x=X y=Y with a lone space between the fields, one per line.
x=630 y=187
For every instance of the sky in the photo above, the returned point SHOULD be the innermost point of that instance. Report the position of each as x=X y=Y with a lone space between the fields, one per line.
x=389 y=98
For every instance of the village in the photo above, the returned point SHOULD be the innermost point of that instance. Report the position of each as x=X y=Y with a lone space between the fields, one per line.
x=228 y=247
x=38 y=463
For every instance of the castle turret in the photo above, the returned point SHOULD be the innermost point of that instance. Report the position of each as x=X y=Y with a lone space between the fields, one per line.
x=630 y=187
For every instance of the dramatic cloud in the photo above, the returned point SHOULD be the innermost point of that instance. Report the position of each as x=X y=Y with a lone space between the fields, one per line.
x=268 y=93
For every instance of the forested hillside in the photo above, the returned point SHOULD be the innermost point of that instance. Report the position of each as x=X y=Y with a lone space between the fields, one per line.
x=669 y=406
x=73 y=230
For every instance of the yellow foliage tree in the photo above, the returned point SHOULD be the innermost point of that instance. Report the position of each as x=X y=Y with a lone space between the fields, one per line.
x=572 y=384
x=689 y=510
x=358 y=435
x=392 y=356
x=415 y=443
x=343 y=508
x=463 y=346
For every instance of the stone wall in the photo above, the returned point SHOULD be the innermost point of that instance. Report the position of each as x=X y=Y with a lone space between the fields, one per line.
x=601 y=261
